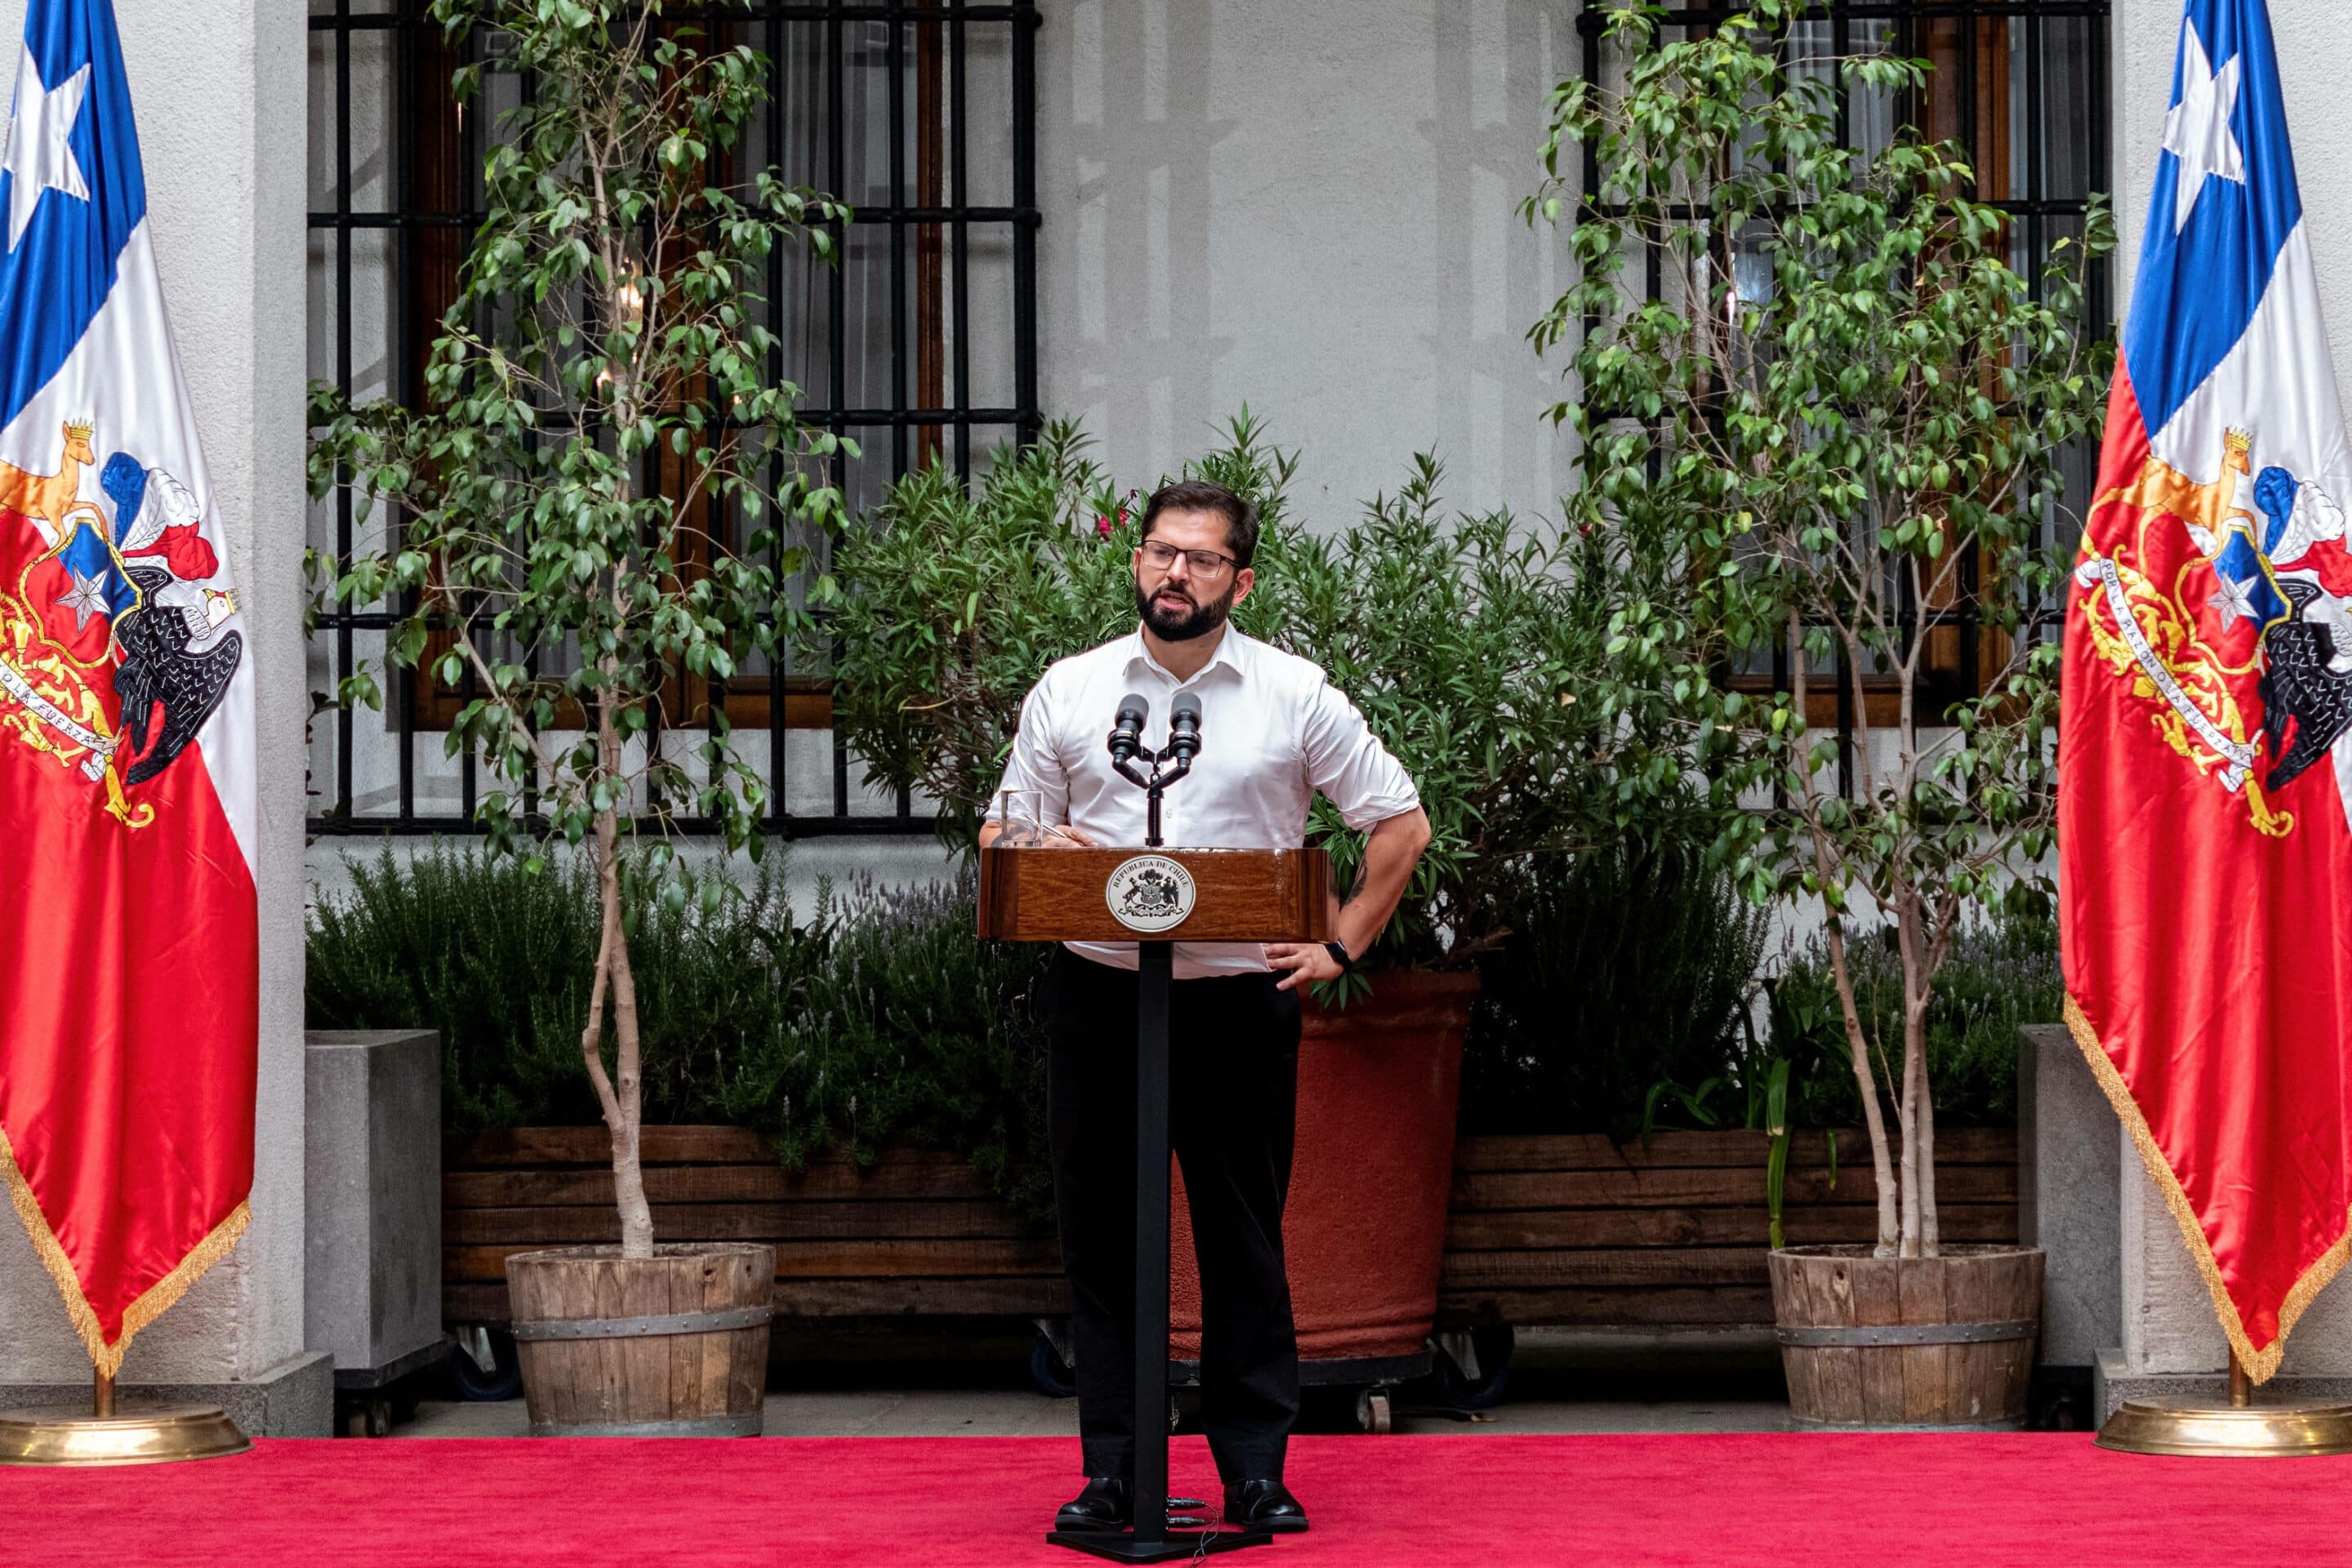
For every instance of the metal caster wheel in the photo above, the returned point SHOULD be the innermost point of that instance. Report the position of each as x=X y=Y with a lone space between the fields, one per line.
x=1372 y=1411
x=486 y=1365
x=1050 y=1372
x=1473 y=1367
x=366 y=1416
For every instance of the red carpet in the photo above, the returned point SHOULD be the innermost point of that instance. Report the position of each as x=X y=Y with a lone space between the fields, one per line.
x=1970 y=1501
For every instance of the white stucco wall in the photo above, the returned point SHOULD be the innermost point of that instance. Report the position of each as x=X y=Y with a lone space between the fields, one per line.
x=219 y=91
x=1307 y=206
x=2312 y=61
x=2168 y=1324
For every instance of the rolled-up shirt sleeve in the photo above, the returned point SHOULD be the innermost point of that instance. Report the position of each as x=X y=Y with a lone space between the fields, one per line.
x=1033 y=763
x=1347 y=763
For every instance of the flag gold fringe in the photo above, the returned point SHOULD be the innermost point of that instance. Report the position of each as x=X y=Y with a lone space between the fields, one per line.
x=2261 y=1365
x=151 y=1304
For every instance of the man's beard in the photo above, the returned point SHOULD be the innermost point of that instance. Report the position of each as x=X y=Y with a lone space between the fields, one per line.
x=1171 y=626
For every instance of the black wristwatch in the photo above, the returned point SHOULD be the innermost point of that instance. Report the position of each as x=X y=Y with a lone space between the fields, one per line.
x=1339 y=950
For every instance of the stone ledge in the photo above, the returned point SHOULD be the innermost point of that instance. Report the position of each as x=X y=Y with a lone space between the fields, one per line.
x=296 y=1398
x=365 y=1039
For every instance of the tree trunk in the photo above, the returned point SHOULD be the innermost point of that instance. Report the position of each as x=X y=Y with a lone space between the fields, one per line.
x=623 y=1109
x=1858 y=1047
x=1857 y=1043
x=1919 y=1143
x=1930 y=1241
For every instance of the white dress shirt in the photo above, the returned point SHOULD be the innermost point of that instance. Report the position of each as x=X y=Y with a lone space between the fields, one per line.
x=1273 y=730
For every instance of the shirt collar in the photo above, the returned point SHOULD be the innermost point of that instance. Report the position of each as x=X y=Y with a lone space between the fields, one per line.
x=1233 y=654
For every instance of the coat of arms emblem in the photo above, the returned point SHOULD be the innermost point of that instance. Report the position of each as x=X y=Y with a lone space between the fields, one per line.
x=1149 y=893
x=2232 y=615
x=114 y=650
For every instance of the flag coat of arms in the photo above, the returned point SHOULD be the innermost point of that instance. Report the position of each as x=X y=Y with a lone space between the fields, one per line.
x=2205 y=753
x=129 y=972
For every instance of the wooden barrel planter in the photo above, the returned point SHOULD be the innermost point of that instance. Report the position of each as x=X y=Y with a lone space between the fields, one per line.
x=1944 y=1342
x=675 y=1345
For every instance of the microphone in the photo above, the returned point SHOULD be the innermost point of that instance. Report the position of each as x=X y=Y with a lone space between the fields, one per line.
x=1127 y=731
x=1184 y=726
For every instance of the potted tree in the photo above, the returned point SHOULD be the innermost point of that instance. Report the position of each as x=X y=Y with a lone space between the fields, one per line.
x=600 y=396
x=1841 y=424
x=1463 y=646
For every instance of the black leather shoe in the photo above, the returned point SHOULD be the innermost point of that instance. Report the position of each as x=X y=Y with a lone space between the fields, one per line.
x=1264 y=1505
x=1108 y=1504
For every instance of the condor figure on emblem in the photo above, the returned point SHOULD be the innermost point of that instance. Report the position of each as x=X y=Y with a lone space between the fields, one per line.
x=93 y=608
x=1277 y=732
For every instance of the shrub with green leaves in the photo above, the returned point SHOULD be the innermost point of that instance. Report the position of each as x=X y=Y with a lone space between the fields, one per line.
x=958 y=599
x=499 y=959
x=447 y=943
x=1472 y=644
x=880 y=1019
x=912 y=1031
x=1627 y=967
x=2002 y=975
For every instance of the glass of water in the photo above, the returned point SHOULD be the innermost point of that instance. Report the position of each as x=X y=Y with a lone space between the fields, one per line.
x=1020 y=818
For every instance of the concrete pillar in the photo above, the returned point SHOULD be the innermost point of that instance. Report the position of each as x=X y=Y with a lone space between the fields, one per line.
x=220 y=90
x=2067 y=1156
x=372 y=1268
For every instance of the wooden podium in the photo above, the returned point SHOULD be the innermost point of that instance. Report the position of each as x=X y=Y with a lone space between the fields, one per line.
x=1154 y=898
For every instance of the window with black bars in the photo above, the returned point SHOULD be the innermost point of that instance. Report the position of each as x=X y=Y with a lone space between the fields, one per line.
x=2021 y=85
x=920 y=345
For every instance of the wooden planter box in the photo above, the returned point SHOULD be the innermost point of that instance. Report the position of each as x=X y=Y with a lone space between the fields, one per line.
x=918 y=1234
x=1562 y=1230
x=1583 y=1231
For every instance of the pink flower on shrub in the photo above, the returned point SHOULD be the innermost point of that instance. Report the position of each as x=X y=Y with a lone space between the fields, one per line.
x=1102 y=526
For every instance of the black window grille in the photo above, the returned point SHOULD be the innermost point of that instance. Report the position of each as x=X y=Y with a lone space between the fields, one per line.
x=919 y=346
x=2021 y=85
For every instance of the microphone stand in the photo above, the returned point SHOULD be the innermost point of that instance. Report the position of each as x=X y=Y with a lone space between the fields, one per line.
x=1151 y=1539
x=1154 y=785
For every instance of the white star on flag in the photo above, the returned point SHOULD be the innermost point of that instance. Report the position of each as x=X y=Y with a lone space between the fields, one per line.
x=2234 y=603
x=37 y=154
x=87 y=599
x=2198 y=129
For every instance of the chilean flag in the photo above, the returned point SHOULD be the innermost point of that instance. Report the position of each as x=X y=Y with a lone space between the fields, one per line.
x=128 y=948
x=2205 y=752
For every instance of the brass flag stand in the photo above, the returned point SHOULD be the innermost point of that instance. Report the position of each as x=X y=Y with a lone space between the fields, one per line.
x=143 y=1434
x=2235 y=1427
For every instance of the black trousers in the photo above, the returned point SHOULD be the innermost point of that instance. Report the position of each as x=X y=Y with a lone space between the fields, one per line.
x=1233 y=1046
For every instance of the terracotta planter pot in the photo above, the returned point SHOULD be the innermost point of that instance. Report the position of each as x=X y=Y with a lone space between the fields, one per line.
x=675 y=1345
x=1908 y=1341
x=1364 y=1230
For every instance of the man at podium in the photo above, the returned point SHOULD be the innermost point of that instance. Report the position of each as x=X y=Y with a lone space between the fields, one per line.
x=1273 y=731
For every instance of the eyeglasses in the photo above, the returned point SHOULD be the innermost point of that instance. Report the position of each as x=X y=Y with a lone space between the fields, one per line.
x=1204 y=561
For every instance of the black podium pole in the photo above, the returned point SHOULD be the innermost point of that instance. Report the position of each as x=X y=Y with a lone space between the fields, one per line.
x=1151 y=1541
